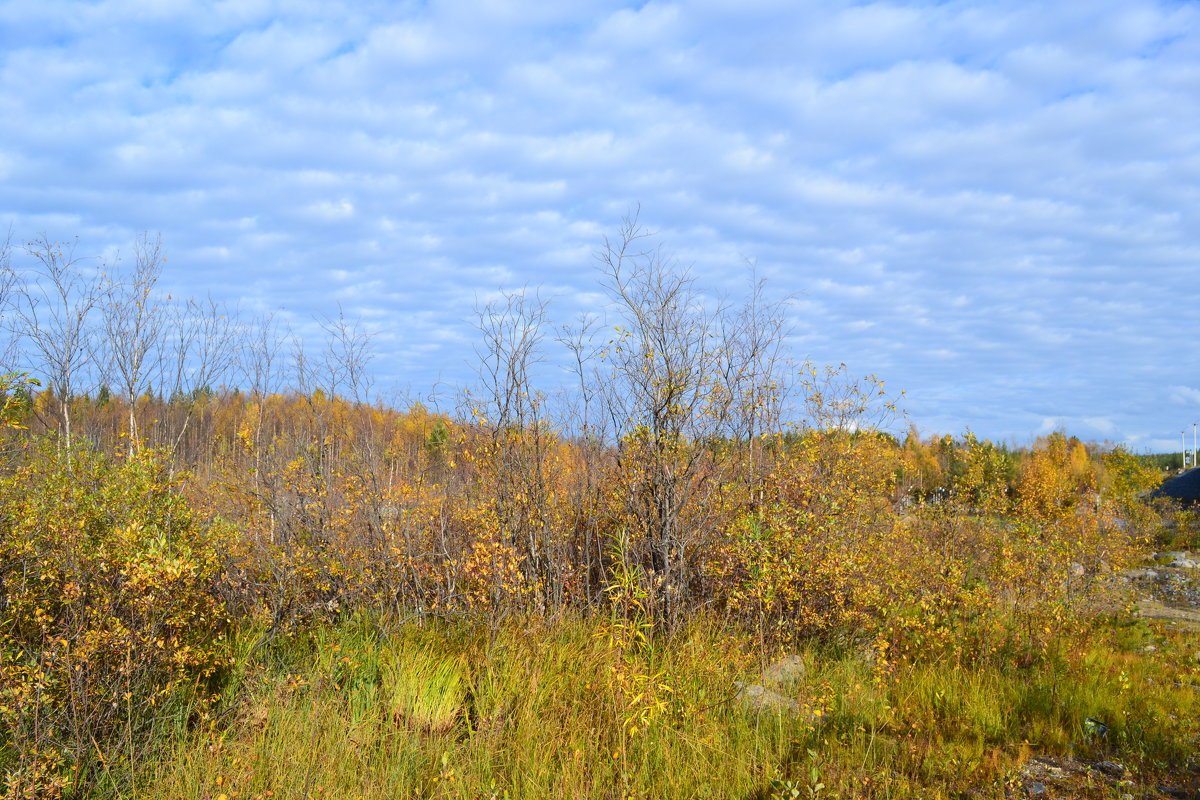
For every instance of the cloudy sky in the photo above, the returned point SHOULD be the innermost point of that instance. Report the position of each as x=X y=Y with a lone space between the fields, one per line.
x=993 y=206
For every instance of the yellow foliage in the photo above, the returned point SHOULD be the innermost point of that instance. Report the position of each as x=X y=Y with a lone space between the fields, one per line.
x=837 y=532
x=111 y=611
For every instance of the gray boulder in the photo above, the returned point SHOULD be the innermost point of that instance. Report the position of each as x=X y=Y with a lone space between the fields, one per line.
x=759 y=698
x=1143 y=574
x=788 y=669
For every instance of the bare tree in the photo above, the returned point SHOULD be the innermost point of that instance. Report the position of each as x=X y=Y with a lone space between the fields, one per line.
x=204 y=346
x=305 y=376
x=132 y=322
x=512 y=335
x=259 y=364
x=259 y=357
x=510 y=411
x=591 y=434
x=200 y=354
x=54 y=310
x=580 y=340
x=346 y=358
x=755 y=369
x=686 y=381
x=662 y=394
x=8 y=281
x=345 y=364
x=339 y=368
x=756 y=363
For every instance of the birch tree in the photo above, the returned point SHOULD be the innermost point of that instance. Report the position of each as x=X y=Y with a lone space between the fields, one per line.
x=54 y=309
x=132 y=323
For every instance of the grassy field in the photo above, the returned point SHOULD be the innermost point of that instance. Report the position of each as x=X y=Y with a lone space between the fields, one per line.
x=371 y=708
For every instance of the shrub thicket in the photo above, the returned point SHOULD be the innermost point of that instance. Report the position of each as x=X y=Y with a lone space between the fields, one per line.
x=111 y=620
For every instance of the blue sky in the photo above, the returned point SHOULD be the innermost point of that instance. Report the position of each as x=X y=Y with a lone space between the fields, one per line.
x=993 y=206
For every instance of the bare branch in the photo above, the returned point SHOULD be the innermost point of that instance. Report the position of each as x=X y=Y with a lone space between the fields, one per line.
x=54 y=310
x=512 y=337
x=132 y=323
x=204 y=346
x=260 y=351
x=346 y=357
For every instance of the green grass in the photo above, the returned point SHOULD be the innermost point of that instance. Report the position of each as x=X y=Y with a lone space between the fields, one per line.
x=368 y=710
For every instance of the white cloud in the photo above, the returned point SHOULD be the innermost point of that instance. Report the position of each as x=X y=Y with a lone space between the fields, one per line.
x=993 y=204
x=1102 y=424
x=1050 y=425
x=331 y=210
x=1184 y=396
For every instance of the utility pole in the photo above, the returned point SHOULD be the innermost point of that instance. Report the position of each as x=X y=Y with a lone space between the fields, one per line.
x=1183 y=453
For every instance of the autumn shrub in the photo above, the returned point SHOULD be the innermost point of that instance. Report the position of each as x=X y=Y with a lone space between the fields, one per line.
x=811 y=559
x=110 y=617
x=988 y=571
x=1057 y=477
x=982 y=477
x=1127 y=479
x=836 y=531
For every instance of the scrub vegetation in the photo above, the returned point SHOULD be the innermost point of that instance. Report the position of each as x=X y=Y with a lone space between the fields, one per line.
x=289 y=589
